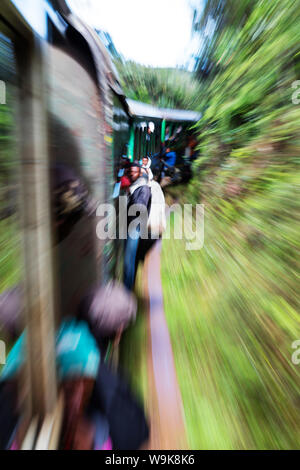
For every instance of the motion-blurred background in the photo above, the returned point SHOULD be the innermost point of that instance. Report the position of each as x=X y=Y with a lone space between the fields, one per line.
x=232 y=308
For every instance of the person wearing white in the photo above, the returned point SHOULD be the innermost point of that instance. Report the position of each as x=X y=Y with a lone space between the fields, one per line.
x=146 y=167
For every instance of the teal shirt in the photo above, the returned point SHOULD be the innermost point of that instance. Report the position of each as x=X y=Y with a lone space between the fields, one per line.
x=77 y=353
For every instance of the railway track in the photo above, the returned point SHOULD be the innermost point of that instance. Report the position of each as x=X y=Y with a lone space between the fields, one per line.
x=164 y=403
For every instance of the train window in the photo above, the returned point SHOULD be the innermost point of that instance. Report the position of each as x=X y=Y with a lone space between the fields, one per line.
x=136 y=142
x=10 y=230
x=113 y=248
x=121 y=132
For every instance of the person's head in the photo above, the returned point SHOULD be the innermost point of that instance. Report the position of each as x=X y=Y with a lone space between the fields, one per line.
x=168 y=149
x=145 y=161
x=135 y=171
x=124 y=162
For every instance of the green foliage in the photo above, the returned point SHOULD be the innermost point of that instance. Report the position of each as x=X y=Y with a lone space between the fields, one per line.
x=240 y=388
x=10 y=242
x=10 y=253
x=133 y=348
x=166 y=88
x=233 y=354
x=7 y=148
x=252 y=68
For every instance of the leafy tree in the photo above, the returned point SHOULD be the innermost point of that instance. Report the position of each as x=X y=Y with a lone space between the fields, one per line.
x=170 y=88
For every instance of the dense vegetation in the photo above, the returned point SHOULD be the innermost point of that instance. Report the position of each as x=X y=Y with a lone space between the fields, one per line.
x=166 y=88
x=234 y=361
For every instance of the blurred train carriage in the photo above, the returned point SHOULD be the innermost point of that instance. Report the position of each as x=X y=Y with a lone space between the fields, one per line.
x=66 y=113
x=64 y=88
x=155 y=129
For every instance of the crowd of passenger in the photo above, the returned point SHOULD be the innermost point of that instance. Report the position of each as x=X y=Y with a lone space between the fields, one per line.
x=100 y=409
x=143 y=191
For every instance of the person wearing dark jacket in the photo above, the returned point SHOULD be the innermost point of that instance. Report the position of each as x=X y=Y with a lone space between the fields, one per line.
x=139 y=194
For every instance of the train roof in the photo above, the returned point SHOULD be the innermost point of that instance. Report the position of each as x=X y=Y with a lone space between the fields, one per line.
x=103 y=62
x=143 y=110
